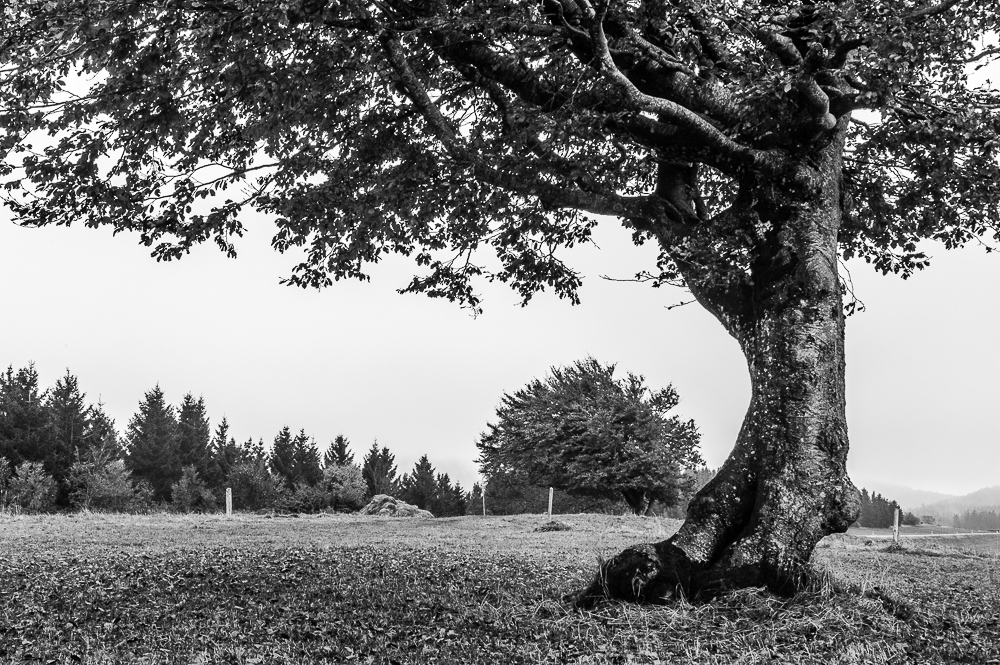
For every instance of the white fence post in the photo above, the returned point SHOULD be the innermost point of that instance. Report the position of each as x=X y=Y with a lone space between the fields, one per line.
x=550 y=504
x=229 y=502
x=895 y=526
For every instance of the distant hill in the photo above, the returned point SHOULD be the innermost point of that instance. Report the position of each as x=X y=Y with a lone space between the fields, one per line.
x=987 y=498
x=907 y=497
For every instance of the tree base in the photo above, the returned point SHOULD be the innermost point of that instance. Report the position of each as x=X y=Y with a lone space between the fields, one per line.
x=656 y=573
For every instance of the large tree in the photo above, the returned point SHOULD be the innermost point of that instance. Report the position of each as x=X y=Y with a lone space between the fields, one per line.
x=755 y=142
x=580 y=429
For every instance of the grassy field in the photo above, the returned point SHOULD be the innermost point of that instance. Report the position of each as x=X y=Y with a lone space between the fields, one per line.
x=346 y=589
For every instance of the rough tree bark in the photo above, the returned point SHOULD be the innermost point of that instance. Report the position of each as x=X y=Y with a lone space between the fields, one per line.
x=784 y=486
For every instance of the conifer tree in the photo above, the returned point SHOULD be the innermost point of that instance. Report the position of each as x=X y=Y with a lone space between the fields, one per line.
x=379 y=471
x=420 y=487
x=69 y=427
x=24 y=435
x=152 y=444
x=194 y=436
x=283 y=456
x=308 y=469
x=474 y=501
x=338 y=454
x=226 y=454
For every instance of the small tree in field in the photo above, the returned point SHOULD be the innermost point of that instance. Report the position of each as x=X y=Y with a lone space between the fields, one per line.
x=253 y=485
x=584 y=431
x=98 y=480
x=32 y=488
x=190 y=494
x=346 y=486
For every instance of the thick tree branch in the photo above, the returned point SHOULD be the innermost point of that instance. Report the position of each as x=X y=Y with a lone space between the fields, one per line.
x=931 y=10
x=713 y=49
x=781 y=46
x=705 y=132
x=561 y=194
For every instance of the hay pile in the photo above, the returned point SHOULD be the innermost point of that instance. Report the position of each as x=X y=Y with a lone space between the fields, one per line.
x=390 y=506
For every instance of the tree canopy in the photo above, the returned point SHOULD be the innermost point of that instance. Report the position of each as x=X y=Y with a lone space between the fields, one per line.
x=581 y=429
x=434 y=129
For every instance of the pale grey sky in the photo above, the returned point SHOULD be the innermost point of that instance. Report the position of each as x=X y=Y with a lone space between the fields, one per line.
x=423 y=376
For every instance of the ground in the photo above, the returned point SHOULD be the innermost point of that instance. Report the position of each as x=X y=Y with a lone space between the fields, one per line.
x=206 y=589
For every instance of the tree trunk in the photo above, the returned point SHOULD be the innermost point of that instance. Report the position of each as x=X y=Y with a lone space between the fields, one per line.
x=785 y=485
x=637 y=500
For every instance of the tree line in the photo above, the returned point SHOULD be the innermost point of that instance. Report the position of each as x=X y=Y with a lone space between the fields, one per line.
x=59 y=452
x=980 y=520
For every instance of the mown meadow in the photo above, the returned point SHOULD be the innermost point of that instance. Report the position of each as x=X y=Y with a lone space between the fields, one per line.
x=93 y=588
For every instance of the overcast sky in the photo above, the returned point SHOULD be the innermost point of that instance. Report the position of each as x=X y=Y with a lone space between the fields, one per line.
x=423 y=376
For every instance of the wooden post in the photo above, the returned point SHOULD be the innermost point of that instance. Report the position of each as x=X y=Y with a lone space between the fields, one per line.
x=550 y=504
x=895 y=526
x=484 y=501
x=229 y=502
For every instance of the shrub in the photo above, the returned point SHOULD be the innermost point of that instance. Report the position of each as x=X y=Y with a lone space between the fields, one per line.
x=190 y=494
x=5 y=474
x=100 y=482
x=33 y=490
x=345 y=486
x=253 y=485
x=303 y=498
x=144 y=496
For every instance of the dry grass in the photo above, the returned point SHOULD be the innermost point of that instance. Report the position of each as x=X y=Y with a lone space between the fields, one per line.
x=184 y=589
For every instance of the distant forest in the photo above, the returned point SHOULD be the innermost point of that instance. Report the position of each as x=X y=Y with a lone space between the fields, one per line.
x=59 y=452
x=982 y=520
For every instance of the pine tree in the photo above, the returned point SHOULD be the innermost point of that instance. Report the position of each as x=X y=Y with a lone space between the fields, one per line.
x=283 y=457
x=474 y=500
x=152 y=444
x=226 y=454
x=308 y=469
x=101 y=433
x=379 y=471
x=419 y=487
x=338 y=453
x=194 y=436
x=69 y=427
x=24 y=435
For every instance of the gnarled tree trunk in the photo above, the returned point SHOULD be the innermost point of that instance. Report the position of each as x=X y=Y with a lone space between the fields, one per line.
x=785 y=485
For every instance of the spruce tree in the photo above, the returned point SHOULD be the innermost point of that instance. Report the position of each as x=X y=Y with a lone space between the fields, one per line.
x=69 y=427
x=226 y=454
x=308 y=469
x=419 y=487
x=338 y=453
x=24 y=435
x=379 y=471
x=474 y=500
x=194 y=436
x=152 y=444
x=282 y=458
